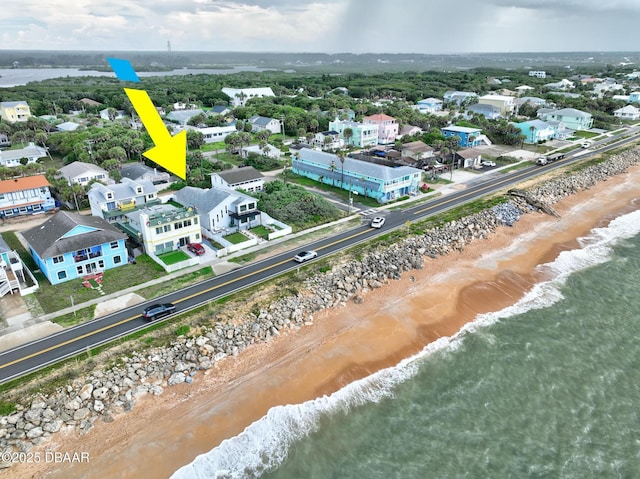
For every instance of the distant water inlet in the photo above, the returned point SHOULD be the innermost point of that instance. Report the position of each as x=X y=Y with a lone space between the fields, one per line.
x=548 y=387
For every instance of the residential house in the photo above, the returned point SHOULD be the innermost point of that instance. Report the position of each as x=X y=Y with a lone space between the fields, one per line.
x=247 y=179
x=140 y=171
x=213 y=134
x=14 y=275
x=522 y=89
x=387 y=127
x=82 y=173
x=429 y=105
x=634 y=97
x=369 y=179
x=531 y=100
x=563 y=84
x=417 y=151
x=261 y=123
x=409 y=130
x=221 y=208
x=536 y=131
x=504 y=103
x=601 y=88
x=268 y=150
x=572 y=118
x=111 y=114
x=28 y=154
x=14 y=111
x=69 y=246
x=68 y=126
x=219 y=110
x=469 y=137
x=328 y=140
x=490 y=112
x=25 y=196
x=182 y=117
x=538 y=73
x=628 y=112
x=468 y=158
x=163 y=228
x=112 y=202
x=459 y=97
x=239 y=96
x=361 y=135
x=560 y=129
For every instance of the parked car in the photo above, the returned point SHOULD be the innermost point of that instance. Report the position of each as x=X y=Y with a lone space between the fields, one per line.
x=377 y=222
x=305 y=256
x=196 y=248
x=157 y=311
x=488 y=163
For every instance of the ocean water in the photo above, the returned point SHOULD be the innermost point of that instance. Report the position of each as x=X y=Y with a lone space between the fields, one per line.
x=547 y=388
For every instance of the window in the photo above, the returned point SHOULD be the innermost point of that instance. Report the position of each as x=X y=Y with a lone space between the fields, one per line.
x=114 y=245
x=101 y=263
x=159 y=230
x=167 y=228
x=187 y=223
x=195 y=221
x=58 y=259
x=109 y=196
x=62 y=274
x=177 y=225
x=36 y=207
x=2 y=196
x=252 y=206
x=116 y=260
x=197 y=235
x=23 y=209
x=243 y=208
x=79 y=269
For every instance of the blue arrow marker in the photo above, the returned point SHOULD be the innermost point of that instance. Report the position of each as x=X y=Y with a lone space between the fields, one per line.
x=123 y=69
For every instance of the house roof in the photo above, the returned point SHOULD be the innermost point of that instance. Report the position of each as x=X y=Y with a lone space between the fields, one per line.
x=409 y=129
x=78 y=168
x=31 y=151
x=11 y=104
x=23 y=183
x=379 y=117
x=417 y=146
x=461 y=129
x=430 y=101
x=4 y=247
x=134 y=171
x=183 y=116
x=90 y=102
x=483 y=107
x=468 y=153
x=49 y=239
x=260 y=120
x=219 y=109
x=628 y=109
x=68 y=126
x=570 y=112
x=240 y=175
x=205 y=200
x=357 y=167
x=123 y=190
x=537 y=124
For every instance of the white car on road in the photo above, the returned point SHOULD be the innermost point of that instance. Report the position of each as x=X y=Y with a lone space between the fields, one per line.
x=305 y=256
x=377 y=222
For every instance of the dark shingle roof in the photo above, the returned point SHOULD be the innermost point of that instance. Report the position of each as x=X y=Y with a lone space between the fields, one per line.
x=239 y=175
x=48 y=239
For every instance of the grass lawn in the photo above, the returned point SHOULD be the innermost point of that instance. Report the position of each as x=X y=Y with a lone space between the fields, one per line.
x=585 y=134
x=188 y=279
x=342 y=194
x=236 y=238
x=54 y=298
x=173 y=257
x=261 y=231
x=219 y=145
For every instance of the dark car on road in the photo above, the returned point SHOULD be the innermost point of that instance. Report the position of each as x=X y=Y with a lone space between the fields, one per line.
x=158 y=310
x=196 y=248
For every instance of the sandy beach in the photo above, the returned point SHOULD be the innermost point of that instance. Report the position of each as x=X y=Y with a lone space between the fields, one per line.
x=344 y=344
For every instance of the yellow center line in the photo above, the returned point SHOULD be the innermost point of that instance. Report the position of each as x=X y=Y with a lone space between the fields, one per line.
x=86 y=335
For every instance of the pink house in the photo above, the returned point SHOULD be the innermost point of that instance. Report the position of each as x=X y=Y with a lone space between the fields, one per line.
x=387 y=127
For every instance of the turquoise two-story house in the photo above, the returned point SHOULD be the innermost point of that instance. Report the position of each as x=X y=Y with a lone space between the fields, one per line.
x=69 y=246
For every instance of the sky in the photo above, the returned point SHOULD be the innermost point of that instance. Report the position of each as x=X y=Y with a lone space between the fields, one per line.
x=323 y=26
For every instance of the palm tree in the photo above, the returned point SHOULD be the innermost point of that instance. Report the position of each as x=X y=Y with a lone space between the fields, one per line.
x=341 y=157
x=332 y=168
x=348 y=134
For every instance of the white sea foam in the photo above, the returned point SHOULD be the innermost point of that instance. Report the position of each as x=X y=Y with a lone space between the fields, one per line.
x=264 y=445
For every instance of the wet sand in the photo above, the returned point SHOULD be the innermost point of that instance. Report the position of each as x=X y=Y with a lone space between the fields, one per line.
x=344 y=344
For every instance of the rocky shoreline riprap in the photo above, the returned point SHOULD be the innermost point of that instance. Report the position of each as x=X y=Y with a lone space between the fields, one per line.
x=105 y=393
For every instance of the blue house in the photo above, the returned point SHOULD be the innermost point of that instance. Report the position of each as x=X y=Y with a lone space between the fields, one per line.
x=469 y=137
x=634 y=97
x=69 y=246
x=369 y=179
x=536 y=131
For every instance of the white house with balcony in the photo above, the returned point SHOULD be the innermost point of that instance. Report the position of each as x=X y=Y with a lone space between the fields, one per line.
x=28 y=154
x=14 y=275
x=213 y=134
x=628 y=112
x=26 y=195
x=247 y=179
x=163 y=228
x=113 y=202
